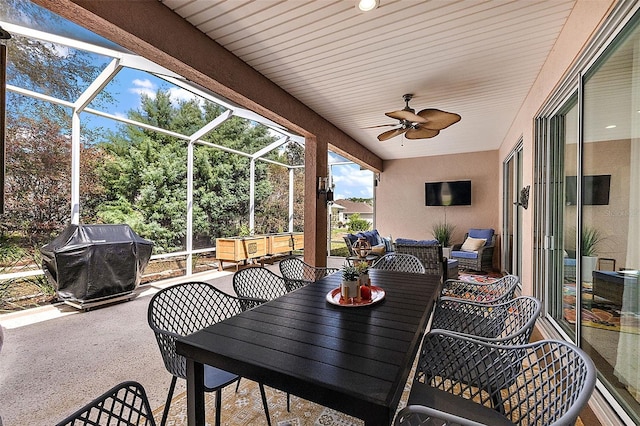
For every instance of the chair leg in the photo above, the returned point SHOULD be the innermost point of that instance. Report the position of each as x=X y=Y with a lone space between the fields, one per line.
x=264 y=403
x=165 y=412
x=237 y=385
x=218 y=406
x=288 y=402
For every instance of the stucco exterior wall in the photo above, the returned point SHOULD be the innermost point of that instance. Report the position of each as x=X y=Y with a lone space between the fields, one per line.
x=585 y=19
x=400 y=195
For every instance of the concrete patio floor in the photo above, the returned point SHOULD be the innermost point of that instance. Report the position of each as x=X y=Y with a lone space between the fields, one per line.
x=56 y=358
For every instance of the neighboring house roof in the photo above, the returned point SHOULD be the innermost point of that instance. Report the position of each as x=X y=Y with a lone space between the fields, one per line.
x=351 y=207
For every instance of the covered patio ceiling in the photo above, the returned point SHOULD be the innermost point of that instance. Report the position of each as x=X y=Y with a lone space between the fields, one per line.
x=477 y=58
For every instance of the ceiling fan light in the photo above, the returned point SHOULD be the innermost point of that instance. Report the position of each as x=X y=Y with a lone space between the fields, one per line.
x=368 y=5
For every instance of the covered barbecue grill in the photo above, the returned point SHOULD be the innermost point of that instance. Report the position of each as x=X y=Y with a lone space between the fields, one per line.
x=92 y=264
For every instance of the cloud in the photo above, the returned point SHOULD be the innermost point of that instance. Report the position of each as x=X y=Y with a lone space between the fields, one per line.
x=178 y=94
x=143 y=87
x=351 y=182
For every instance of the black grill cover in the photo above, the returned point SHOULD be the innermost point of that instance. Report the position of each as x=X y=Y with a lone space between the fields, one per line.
x=88 y=262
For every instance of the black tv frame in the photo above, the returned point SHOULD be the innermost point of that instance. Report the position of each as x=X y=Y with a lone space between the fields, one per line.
x=460 y=193
x=596 y=190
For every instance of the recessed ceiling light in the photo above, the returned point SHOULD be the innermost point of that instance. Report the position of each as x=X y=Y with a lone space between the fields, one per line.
x=367 y=5
x=611 y=126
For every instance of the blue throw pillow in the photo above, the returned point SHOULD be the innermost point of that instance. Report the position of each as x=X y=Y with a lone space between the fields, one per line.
x=486 y=234
x=388 y=245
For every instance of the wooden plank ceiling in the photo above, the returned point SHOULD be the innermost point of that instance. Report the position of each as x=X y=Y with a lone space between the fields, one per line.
x=478 y=58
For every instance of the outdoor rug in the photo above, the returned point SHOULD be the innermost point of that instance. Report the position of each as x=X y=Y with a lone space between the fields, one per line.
x=244 y=408
x=601 y=313
x=479 y=278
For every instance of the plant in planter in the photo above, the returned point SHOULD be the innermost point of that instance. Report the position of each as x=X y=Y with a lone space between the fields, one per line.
x=363 y=273
x=349 y=286
x=591 y=237
x=442 y=232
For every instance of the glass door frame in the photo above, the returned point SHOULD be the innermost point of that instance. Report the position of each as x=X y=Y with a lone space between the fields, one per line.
x=512 y=214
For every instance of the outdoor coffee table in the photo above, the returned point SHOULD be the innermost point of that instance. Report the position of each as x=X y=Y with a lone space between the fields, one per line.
x=353 y=359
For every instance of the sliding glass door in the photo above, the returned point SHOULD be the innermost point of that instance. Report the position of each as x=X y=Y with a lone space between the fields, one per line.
x=592 y=184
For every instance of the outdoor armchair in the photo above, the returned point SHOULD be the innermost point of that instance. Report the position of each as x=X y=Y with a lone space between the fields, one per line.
x=507 y=323
x=297 y=273
x=124 y=404
x=399 y=262
x=497 y=291
x=476 y=252
x=183 y=309
x=545 y=383
x=428 y=251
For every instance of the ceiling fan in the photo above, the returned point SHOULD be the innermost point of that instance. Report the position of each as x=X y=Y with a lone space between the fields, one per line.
x=425 y=124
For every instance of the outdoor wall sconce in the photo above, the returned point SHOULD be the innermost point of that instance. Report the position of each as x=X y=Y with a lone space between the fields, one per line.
x=524 y=198
x=324 y=188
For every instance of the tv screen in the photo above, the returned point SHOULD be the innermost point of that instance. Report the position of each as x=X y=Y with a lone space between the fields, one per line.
x=457 y=193
x=595 y=190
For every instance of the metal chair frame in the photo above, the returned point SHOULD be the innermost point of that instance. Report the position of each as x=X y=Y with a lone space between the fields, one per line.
x=183 y=309
x=258 y=282
x=498 y=291
x=399 y=262
x=547 y=382
x=507 y=323
x=297 y=273
x=126 y=403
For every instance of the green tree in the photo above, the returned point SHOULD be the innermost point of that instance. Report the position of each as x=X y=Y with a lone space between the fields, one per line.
x=357 y=224
x=38 y=151
x=145 y=178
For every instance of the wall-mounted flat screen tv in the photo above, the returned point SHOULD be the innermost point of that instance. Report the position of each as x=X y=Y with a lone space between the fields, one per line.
x=456 y=193
x=595 y=190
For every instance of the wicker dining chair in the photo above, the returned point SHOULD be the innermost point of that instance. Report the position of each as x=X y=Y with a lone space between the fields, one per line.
x=124 y=404
x=399 y=262
x=501 y=290
x=545 y=383
x=507 y=323
x=183 y=309
x=297 y=273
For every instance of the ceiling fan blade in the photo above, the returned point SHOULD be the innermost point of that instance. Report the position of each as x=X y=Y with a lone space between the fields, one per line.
x=421 y=133
x=437 y=119
x=390 y=134
x=381 y=125
x=406 y=115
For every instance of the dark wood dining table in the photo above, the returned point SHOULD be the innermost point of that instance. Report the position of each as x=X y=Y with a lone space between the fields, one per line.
x=352 y=359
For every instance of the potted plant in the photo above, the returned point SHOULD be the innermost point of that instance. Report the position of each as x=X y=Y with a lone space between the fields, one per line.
x=363 y=273
x=591 y=237
x=349 y=286
x=442 y=232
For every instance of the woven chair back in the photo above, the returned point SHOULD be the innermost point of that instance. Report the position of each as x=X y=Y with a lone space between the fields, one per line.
x=258 y=282
x=399 y=262
x=183 y=309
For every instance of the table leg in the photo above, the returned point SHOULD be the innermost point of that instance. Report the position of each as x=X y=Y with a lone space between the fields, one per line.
x=195 y=393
